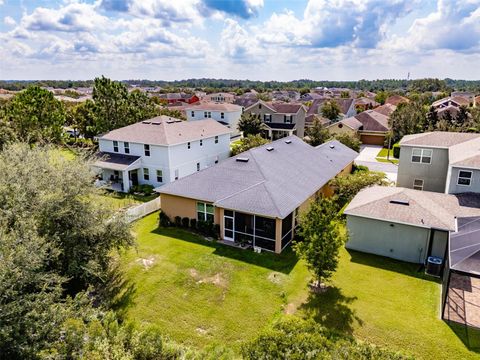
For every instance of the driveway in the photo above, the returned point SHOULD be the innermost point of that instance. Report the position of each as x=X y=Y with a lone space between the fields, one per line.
x=367 y=156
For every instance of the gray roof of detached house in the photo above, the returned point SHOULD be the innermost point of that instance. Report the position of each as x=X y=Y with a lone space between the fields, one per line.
x=164 y=130
x=271 y=183
x=463 y=148
x=414 y=207
x=115 y=161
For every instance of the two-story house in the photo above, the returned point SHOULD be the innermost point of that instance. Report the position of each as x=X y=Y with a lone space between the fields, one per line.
x=280 y=119
x=226 y=114
x=220 y=97
x=445 y=162
x=159 y=151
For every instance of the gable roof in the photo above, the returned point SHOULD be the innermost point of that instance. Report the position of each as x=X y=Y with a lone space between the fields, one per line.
x=351 y=122
x=165 y=130
x=373 y=121
x=442 y=139
x=396 y=99
x=386 y=109
x=424 y=209
x=343 y=104
x=213 y=106
x=271 y=183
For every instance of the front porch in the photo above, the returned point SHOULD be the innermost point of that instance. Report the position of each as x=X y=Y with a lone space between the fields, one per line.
x=275 y=131
x=117 y=172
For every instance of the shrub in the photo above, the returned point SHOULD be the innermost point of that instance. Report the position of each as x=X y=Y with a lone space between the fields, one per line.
x=202 y=227
x=396 y=151
x=193 y=224
x=164 y=219
x=178 y=221
x=216 y=231
x=185 y=222
x=144 y=189
x=360 y=168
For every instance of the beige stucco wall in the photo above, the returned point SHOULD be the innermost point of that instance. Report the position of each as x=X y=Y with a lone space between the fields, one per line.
x=336 y=129
x=184 y=207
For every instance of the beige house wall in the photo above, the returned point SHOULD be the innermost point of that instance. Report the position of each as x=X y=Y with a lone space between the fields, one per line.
x=173 y=205
x=340 y=129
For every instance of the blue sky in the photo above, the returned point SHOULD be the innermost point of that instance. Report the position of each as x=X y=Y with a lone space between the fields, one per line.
x=243 y=39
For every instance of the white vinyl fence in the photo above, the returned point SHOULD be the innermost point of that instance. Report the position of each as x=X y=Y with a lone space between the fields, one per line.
x=142 y=210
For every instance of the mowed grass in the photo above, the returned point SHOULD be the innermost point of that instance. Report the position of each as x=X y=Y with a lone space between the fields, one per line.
x=388 y=303
x=202 y=293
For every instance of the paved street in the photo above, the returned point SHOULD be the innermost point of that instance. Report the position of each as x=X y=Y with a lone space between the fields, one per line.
x=367 y=158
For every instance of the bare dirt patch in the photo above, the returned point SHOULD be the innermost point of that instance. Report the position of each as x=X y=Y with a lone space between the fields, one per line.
x=147 y=263
x=217 y=279
x=290 y=309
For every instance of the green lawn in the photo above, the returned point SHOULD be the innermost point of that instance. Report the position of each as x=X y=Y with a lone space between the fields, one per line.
x=391 y=160
x=118 y=201
x=384 y=152
x=203 y=293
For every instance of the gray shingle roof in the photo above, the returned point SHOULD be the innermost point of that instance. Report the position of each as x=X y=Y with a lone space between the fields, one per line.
x=271 y=183
x=425 y=209
x=114 y=161
x=464 y=246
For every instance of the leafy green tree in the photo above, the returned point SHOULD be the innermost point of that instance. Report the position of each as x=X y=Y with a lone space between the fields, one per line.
x=296 y=339
x=408 y=118
x=346 y=187
x=330 y=110
x=250 y=124
x=304 y=90
x=247 y=143
x=321 y=238
x=172 y=113
x=56 y=195
x=316 y=134
x=344 y=94
x=462 y=118
x=381 y=97
x=85 y=119
x=35 y=116
x=432 y=119
x=352 y=141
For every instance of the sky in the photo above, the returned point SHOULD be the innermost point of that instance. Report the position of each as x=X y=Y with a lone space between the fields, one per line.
x=239 y=39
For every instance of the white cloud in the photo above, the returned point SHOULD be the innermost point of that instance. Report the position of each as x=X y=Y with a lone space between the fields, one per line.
x=9 y=21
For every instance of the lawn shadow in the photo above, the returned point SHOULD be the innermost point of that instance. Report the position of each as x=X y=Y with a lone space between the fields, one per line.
x=283 y=263
x=470 y=336
x=385 y=263
x=331 y=309
x=118 y=292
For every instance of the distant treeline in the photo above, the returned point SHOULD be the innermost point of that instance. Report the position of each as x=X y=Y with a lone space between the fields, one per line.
x=417 y=85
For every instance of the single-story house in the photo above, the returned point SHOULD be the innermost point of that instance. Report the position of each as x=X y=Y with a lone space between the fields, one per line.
x=406 y=224
x=349 y=126
x=256 y=196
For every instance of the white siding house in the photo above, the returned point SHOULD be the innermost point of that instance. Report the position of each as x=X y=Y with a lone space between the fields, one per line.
x=225 y=114
x=159 y=151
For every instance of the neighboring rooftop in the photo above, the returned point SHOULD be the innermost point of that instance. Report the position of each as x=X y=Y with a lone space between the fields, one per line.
x=113 y=161
x=373 y=121
x=396 y=100
x=351 y=122
x=213 y=106
x=441 y=139
x=464 y=246
x=414 y=207
x=386 y=109
x=270 y=183
x=165 y=130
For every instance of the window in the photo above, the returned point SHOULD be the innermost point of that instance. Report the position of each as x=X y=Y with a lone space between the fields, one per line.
x=222 y=115
x=216 y=159
x=126 y=147
x=201 y=142
x=146 y=147
x=205 y=212
x=188 y=145
x=216 y=139
x=146 y=175
x=464 y=178
x=193 y=113
x=207 y=114
x=287 y=119
x=176 y=174
x=259 y=106
x=418 y=184
x=159 y=176
x=267 y=118
x=423 y=156
x=115 y=146
x=198 y=166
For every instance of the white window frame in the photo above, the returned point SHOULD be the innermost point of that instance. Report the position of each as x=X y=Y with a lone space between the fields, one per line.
x=189 y=146
x=198 y=166
x=126 y=147
x=146 y=149
x=146 y=174
x=193 y=113
x=159 y=176
x=204 y=211
x=267 y=118
x=418 y=187
x=216 y=139
x=422 y=156
x=222 y=115
x=176 y=174
x=201 y=142
x=115 y=146
x=463 y=177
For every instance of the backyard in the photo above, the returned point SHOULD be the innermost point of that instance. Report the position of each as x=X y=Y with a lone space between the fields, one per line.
x=203 y=293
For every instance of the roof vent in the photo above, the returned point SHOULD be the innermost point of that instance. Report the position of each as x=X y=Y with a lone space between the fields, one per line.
x=332 y=146
x=242 y=159
x=156 y=122
x=170 y=121
x=270 y=148
x=400 y=202
x=288 y=141
x=146 y=122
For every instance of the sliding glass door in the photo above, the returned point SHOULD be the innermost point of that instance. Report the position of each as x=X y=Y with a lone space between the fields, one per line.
x=228 y=225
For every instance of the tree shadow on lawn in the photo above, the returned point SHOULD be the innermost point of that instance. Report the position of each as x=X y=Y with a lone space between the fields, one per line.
x=385 y=263
x=118 y=292
x=331 y=309
x=283 y=263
